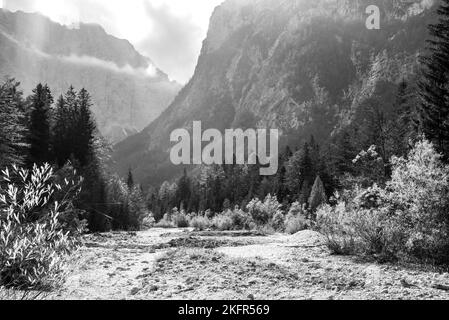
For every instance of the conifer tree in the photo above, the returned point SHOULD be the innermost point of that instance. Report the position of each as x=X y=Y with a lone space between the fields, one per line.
x=84 y=128
x=318 y=195
x=300 y=173
x=130 y=181
x=183 y=192
x=39 y=125
x=434 y=85
x=13 y=132
x=60 y=133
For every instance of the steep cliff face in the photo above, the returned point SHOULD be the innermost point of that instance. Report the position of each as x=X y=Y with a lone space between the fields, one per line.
x=128 y=90
x=300 y=66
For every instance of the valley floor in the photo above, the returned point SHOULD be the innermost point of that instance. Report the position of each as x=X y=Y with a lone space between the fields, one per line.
x=182 y=264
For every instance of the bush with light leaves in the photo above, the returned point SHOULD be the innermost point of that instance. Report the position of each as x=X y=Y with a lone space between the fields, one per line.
x=33 y=240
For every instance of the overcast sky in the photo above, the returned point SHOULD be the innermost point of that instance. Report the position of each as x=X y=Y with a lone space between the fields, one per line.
x=170 y=32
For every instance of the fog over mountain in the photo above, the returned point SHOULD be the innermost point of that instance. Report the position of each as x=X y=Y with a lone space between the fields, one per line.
x=129 y=91
x=303 y=67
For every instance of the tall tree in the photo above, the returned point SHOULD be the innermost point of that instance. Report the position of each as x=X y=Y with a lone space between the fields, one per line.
x=318 y=195
x=60 y=133
x=13 y=131
x=130 y=181
x=434 y=85
x=403 y=128
x=39 y=124
x=84 y=128
x=183 y=192
x=300 y=174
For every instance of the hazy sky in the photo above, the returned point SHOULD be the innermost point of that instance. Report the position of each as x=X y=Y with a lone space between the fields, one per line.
x=170 y=32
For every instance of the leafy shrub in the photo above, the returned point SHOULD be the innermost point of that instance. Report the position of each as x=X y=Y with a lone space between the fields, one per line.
x=241 y=220
x=33 y=242
x=148 y=221
x=296 y=219
x=200 y=223
x=295 y=224
x=222 y=222
x=335 y=223
x=165 y=222
x=263 y=212
x=278 y=221
x=181 y=220
x=420 y=197
x=409 y=218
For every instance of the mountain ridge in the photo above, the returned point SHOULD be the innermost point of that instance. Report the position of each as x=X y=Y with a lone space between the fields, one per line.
x=299 y=66
x=36 y=49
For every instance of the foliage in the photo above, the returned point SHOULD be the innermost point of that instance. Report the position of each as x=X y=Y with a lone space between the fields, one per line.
x=406 y=219
x=222 y=222
x=39 y=124
x=433 y=85
x=336 y=224
x=263 y=212
x=13 y=131
x=33 y=241
x=370 y=167
x=296 y=219
x=165 y=222
x=278 y=221
x=181 y=220
x=241 y=220
x=318 y=195
x=200 y=223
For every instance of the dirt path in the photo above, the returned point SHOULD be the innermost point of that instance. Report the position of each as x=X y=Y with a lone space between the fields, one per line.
x=181 y=264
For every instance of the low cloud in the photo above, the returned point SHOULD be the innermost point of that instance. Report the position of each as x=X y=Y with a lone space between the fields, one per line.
x=169 y=32
x=89 y=61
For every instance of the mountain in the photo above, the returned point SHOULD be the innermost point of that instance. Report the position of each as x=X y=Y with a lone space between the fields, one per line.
x=128 y=90
x=304 y=67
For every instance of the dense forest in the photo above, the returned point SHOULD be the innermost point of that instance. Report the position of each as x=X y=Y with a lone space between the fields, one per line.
x=40 y=130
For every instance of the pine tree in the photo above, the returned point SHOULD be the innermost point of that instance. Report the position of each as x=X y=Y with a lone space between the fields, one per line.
x=13 y=132
x=318 y=195
x=342 y=153
x=434 y=85
x=300 y=173
x=84 y=128
x=403 y=127
x=183 y=192
x=74 y=129
x=60 y=144
x=130 y=181
x=39 y=125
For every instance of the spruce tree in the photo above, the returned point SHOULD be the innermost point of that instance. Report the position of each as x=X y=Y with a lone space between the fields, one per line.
x=130 y=181
x=183 y=192
x=84 y=128
x=13 y=132
x=300 y=173
x=39 y=125
x=61 y=145
x=318 y=195
x=434 y=85
x=403 y=127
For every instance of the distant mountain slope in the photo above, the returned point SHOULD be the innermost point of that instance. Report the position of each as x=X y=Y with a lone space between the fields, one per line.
x=301 y=66
x=128 y=90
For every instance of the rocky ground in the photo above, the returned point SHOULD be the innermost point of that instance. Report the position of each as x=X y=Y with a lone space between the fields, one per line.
x=182 y=264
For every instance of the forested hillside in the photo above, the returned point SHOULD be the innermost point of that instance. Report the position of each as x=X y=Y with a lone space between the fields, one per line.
x=307 y=68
